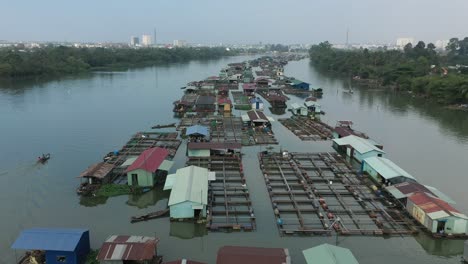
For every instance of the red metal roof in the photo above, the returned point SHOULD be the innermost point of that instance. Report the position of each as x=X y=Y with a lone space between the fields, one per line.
x=149 y=160
x=128 y=248
x=431 y=204
x=344 y=131
x=224 y=101
x=251 y=255
x=248 y=86
x=213 y=145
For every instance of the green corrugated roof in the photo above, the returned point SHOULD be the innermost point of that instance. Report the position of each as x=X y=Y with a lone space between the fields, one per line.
x=170 y=179
x=329 y=254
x=166 y=165
x=360 y=144
x=296 y=81
x=129 y=161
x=386 y=168
x=191 y=184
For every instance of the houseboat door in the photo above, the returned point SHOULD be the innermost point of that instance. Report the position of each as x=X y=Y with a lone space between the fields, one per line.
x=134 y=179
x=441 y=226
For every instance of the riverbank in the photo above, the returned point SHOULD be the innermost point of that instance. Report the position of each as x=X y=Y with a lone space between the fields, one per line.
x=59 y=61
x=420 y=70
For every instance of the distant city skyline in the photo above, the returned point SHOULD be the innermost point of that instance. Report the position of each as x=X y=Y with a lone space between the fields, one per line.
x=210 y=22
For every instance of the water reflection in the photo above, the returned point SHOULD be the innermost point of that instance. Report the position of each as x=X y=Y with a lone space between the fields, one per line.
x=90 y=201
x=186 y=230
x=440 y=247
x=149 y=198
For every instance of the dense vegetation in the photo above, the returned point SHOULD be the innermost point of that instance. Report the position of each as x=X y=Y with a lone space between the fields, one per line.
x=419 y=69
x=67 y=60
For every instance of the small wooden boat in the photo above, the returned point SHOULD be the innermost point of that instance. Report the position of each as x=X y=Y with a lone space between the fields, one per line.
x=182 y=88
x=164 y=126
x=43 y=158
x=154 y=215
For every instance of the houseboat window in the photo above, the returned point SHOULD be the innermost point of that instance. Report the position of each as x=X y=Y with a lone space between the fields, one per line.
x=61 y=259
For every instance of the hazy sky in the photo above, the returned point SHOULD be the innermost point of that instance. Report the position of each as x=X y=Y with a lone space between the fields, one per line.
x=235 y=21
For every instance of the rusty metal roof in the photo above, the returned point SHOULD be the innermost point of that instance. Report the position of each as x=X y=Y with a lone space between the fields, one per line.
x=128 y=248
x=257 y=116
x=98 y=170
x=252 y=255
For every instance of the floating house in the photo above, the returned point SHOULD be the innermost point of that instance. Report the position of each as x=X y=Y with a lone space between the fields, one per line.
x=256 y=118
x=256 y=103
x=249 y=88
x=313 y=107
x=384 y=171
x=402 y=191
x=344 y=129
x=299 y=110
x=329 y=254
x=223 y=91
x=224 y=104
x=197 y=133
x=208 y=85
x=247 y=76
x=149 y=168
x=252 y=255
x=298 y=84
x=436 y=215
x=189 y=192
x=205 y=103
x=61 y=245
x=357 y=147
x=120 y=249
x=207 y=149
x=262 y=82
x=97 y=173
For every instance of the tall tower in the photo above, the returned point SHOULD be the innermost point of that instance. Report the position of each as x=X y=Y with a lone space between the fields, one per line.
x=155 y=42
x=347 y=37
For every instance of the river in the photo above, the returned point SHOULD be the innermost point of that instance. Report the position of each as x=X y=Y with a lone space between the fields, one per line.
x=80 y=119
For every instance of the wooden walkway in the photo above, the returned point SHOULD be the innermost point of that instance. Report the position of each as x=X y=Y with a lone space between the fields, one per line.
x=229 y=204
x=318 y=193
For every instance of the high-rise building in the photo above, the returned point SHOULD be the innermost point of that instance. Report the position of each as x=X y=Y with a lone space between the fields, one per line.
x=134 y=41
x=179 y=43
x=146 y=40
x=402 y=42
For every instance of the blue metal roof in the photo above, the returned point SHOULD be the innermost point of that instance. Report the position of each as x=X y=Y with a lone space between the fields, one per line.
x=54 y=239
x=197 y=129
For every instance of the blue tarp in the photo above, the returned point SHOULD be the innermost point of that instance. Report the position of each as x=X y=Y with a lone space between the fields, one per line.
x=255 y=100
x=197 y=129
x=53 y=239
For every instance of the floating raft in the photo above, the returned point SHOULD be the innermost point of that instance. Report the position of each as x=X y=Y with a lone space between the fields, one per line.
x=307 y=129
x=319 y=193
x=229 y=204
